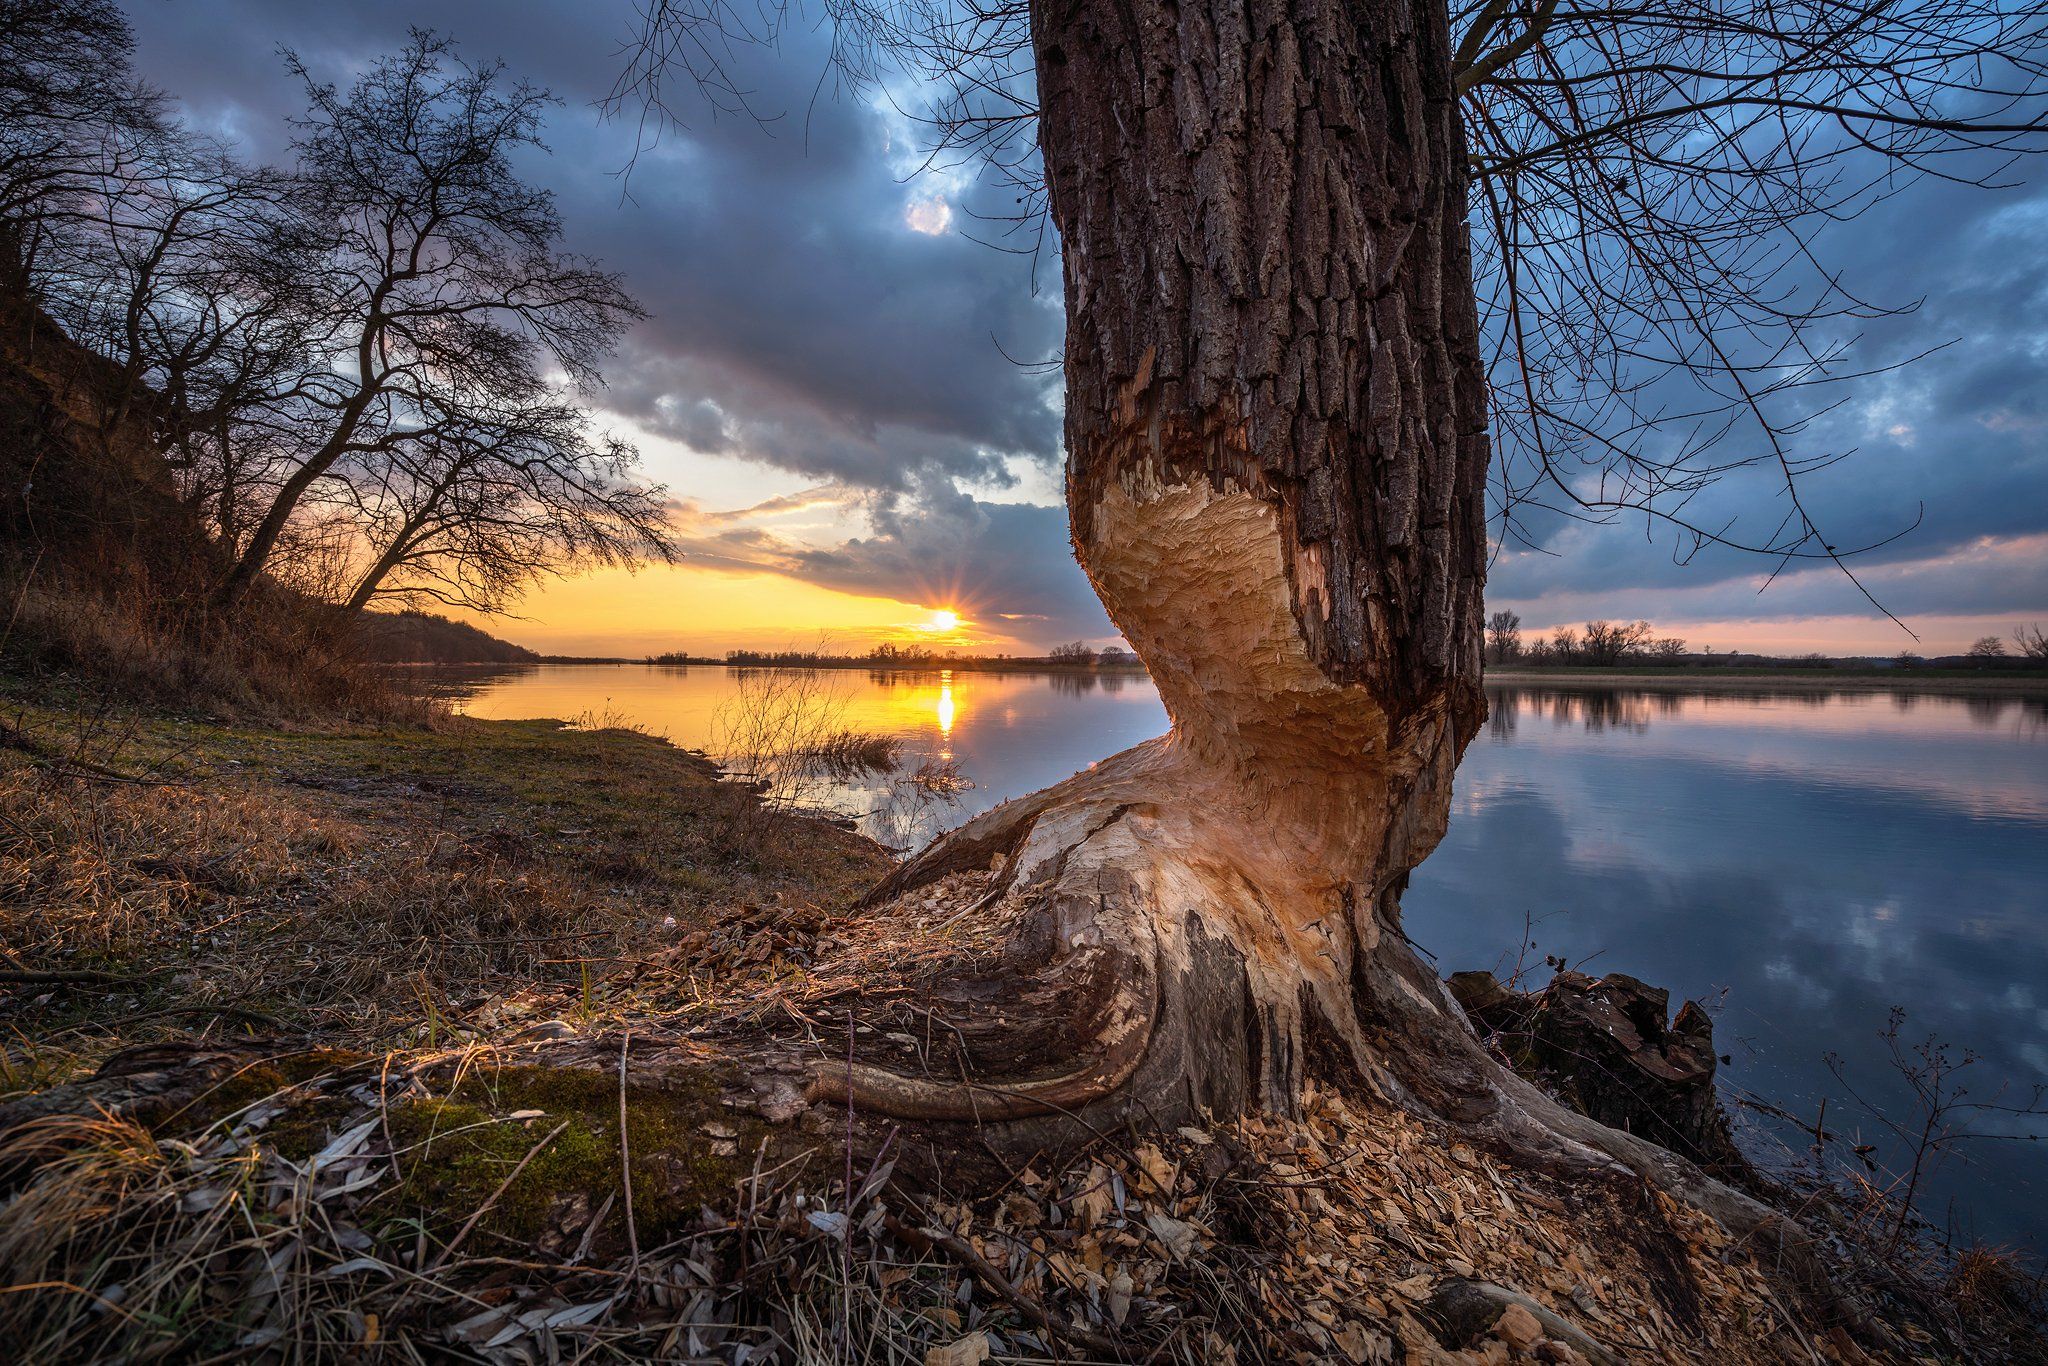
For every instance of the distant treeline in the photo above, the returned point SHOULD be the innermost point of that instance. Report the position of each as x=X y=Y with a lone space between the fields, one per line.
x=1636 y=644
x=1075 y=655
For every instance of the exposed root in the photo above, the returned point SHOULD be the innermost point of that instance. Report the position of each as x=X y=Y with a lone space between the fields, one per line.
x=1123 y=1044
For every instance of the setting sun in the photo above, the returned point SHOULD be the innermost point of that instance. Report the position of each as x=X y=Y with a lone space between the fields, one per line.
x=943 y=620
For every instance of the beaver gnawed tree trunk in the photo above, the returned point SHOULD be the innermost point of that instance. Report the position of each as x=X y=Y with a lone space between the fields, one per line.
x=1275 y=472
x=1276 y=467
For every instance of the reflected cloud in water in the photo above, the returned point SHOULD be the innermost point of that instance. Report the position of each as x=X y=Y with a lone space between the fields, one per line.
x=1816 y=855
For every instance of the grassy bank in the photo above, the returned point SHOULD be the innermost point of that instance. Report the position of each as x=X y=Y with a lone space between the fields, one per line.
x=166 y=876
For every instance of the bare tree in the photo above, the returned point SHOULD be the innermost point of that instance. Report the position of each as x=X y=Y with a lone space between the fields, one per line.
x=193 y=278
x=470 y=515
x=1987 y=648
x=1278 y=354
x=1667 y=649
x=2032 y=643
x=1564 y=645
x=1503 y=637
x=441 y=273
x=1611 y=642
x=71 y=113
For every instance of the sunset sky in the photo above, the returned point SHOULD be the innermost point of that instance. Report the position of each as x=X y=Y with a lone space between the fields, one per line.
x=828 y=382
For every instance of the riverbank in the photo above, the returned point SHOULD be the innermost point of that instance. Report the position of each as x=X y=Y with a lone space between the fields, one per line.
x=318 y=982
x=2004 y=683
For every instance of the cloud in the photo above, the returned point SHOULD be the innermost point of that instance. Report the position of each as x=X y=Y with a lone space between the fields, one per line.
x=819 y=313
x=935 y=546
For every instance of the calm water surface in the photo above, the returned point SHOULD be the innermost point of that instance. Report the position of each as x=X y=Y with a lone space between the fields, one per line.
x=1801 y=862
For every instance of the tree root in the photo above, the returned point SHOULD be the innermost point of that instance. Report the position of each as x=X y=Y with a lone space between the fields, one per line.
x=1124 y=1046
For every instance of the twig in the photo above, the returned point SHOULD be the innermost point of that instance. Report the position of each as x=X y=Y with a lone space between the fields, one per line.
x=931 y=1236
x=445 y=1253
x=626 y=1161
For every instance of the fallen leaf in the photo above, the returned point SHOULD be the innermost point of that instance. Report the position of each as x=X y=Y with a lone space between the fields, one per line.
x=971 y=1350
x=1119 y=1297
x=1178 y=1236
x=1158 y=1171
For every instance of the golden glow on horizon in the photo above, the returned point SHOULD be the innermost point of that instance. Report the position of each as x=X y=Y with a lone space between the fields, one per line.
x=709 y=611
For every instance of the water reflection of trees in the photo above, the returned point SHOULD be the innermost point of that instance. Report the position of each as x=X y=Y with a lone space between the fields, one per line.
x=458 y=684
x=1070 y=682
x=1077 y=682
x=1986 y=711
x=1619 y=708
x=1596 y=709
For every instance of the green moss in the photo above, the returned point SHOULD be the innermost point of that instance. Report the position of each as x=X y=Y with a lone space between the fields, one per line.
x=305 y=1126
x=463 y=1150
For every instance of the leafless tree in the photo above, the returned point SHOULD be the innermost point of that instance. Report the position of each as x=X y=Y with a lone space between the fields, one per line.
x=1667 y=649
x=1611 y=642
x=470 y=515
x=449 y=296
x=363 y=367
x=192 y=273
x=2033 y=643
x=71 y=113
x=1987 y=647
x=1503 y=637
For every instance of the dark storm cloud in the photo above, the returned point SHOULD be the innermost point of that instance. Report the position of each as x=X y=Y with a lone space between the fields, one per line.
x=1006 y=567
x=1957 y=438
x=798 y=323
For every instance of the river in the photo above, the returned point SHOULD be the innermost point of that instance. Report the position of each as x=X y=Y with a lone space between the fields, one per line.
x=1800 y=862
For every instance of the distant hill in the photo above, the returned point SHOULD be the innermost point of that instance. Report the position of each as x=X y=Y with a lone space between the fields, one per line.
x=424 y=638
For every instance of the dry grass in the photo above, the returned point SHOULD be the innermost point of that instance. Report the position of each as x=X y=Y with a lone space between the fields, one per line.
x=361 y=887
x=280 y=656
x=126 y=1246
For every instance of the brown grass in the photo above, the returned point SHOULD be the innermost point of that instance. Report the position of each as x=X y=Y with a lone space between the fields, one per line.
x=360 y=887
x=280 y=656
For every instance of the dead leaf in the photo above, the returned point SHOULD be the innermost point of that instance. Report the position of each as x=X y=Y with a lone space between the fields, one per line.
x=1093 y=1204
x=1178 y=1236
x=1119 y=1297
x=971 y=1350
x=1158 y=1171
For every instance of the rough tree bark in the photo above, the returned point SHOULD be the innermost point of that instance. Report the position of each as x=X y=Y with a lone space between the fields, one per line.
x=1276 y=466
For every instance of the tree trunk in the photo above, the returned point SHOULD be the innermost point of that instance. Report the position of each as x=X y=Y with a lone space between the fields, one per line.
x=1276 y=466
x=256 y=555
